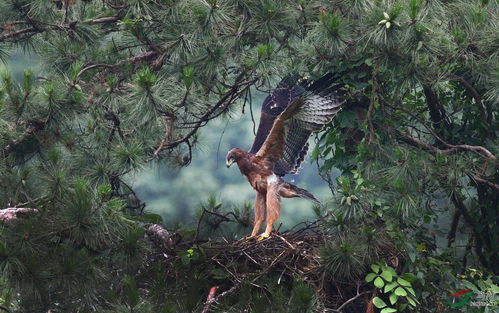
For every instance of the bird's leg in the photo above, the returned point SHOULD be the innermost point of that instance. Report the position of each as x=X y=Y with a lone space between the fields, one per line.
x=273 y=208
x=259 y=212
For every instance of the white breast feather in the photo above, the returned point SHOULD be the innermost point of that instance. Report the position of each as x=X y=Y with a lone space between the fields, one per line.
x=272 y=179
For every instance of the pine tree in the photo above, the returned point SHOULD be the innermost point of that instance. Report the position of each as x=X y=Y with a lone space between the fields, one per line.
x=128 y=83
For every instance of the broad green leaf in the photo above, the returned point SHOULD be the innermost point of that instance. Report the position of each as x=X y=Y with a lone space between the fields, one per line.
x=390 y=286
x=393 y=298
x=370 y=277
x=469 y=285
x=411 y=291
x=411 y=301
x=378 y=282
x=403 y=282
x=410 y=277
x=400 y=292
x=388 y=310
x=387 y=275
x=375 y=268
x=378 y=303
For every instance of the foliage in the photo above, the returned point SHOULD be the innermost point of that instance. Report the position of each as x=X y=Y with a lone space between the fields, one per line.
x=398 y=289
x=123 y=84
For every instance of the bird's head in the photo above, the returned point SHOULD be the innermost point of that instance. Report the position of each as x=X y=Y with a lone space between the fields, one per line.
x=233 y=156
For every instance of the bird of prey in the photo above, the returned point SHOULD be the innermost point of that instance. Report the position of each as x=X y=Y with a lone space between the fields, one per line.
x=289 y=115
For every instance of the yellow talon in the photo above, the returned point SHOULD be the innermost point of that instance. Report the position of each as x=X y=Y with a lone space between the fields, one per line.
x=263 y=236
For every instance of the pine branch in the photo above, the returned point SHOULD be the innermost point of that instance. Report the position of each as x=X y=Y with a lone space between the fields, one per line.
x=452 y=148
x=237 y=89
x=35 y=126
x=9 y=214
x=484 y=181
x=474 y=94
x=103 y=20
x=20 y=32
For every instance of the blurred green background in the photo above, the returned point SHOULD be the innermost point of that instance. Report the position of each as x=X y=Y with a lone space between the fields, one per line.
x=176 y=193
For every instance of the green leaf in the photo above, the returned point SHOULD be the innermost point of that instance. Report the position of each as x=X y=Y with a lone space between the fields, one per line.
x=378 y=303
x=411 y=301
x=409 y=277
x=378 y=282
x=393 y=298
x=400 y=292
x=387 y=275
x=411 y=291
x=375 y=268
x=469 y=285
x=315 y=153
x=185 y=259
x=370 y=277
x=390 y=286
x=403 y=282
x=188 y=75
x=388 y=310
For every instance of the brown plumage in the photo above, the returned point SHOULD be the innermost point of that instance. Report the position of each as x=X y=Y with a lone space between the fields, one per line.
x=282 y=149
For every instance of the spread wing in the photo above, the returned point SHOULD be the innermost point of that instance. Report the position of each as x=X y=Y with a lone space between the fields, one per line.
x=281 y=97
x=292 y=128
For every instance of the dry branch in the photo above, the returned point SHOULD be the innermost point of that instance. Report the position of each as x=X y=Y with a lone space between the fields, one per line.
x=9 y=214
x=452 y=148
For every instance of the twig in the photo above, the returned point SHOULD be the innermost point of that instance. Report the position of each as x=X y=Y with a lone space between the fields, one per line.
x=4 y=308
x=212 y=299
x=285 y=241
x=350 y=300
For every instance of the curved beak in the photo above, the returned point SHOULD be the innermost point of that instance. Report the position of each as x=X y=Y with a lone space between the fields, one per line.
x=229 y=162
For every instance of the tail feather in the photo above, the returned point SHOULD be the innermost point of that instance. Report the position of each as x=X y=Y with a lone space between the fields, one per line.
x=305 y=194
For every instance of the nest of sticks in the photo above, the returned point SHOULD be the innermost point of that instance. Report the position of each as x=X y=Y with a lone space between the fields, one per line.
x=288 y=254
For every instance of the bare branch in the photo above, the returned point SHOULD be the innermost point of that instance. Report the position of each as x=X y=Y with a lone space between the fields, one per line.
x=20 y=32
x=479 y=149
x=350 y=300
x=9 y=214
x=103 y=20
x=484 y=181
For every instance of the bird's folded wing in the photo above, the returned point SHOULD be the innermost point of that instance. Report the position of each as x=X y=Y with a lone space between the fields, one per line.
x=292 y=128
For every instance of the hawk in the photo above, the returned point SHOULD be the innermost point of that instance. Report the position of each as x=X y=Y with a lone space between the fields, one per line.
x=289 y=115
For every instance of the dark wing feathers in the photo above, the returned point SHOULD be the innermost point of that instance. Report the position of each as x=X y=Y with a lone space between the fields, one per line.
x=314 y=113
x=295 y=148
x=281 y=97
x=288 y=144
